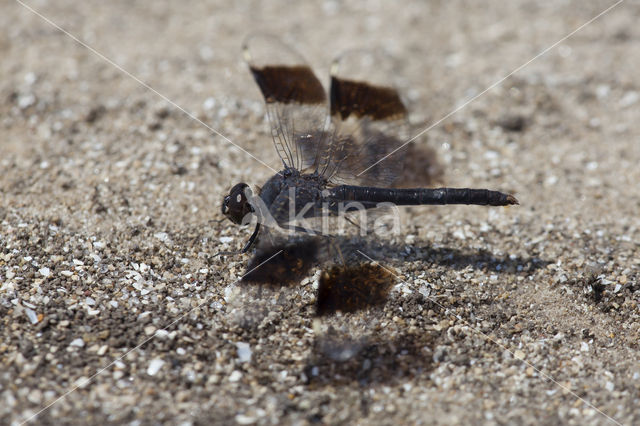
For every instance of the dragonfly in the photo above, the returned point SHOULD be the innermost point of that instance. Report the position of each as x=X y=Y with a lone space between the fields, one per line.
x=341 y=152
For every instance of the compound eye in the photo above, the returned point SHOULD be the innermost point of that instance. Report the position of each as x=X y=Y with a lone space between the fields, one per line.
x=237 y=199
x=235 y=206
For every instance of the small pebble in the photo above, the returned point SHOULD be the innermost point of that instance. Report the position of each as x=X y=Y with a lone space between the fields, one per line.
x=154 y=366
x=241 y=419
x=162 y=236
x=244 y=351
x=629 y=99
x=25 y=101
x=235 y=376
x=33 y=317
x=78 y=343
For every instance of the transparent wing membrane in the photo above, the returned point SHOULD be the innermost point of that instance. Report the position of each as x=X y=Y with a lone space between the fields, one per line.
x=368 y=120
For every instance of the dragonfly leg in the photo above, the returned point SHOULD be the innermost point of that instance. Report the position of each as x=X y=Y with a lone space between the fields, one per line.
x=247 y=246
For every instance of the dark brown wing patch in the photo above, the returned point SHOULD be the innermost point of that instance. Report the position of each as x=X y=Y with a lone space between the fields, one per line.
x=363 y=99
x=289 y=84
x=350 y=289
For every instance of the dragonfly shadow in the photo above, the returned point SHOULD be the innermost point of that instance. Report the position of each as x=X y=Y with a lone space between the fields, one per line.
x=457 y=258
x=482 y=259
x=351 y=282
x=370 y=360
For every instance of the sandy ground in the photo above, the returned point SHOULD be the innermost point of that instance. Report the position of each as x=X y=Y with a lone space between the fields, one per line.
x=110 y=197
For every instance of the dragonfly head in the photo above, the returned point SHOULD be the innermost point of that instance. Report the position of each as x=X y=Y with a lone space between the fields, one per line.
x=236 y=206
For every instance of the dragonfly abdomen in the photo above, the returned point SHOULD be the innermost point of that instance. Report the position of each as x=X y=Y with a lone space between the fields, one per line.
x=421 y=196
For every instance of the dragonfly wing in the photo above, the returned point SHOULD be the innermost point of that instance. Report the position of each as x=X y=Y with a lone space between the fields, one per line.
x=295 y=100
x=368 y=121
